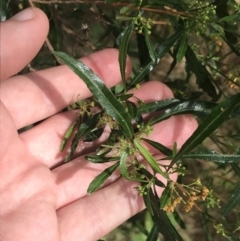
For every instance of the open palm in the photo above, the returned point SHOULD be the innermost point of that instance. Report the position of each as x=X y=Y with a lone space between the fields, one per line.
x=40 y=199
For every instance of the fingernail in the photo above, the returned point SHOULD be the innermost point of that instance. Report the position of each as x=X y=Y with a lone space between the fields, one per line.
x=24 y=15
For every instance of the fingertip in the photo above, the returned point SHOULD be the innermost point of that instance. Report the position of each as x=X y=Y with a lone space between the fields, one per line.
x=153 y=90
x=30 y=28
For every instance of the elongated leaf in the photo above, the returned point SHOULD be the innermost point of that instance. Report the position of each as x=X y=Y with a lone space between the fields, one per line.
x=153 y=234
x=231 y=18
x=222 y=11
x=143 y=53
x=161 y=220
x=199 y=108
x=149 y=158
x=236 y=168
x=151 y=50
x=162 y=49
x=101 y=178
x=232 y=202
x=124 y=167
x=179 y=220
x=125 y=97
x=173 y=64
x=148 y=203
x=102 y=94
x=234 y=49
x=156 y=105
x=83 y=129
x=125 y=37
x=100 y=159
x=93 y=135
x=219 y=114
x=204 y=79
x=132 y=109
x=214 y=156
x=123 y=164
x=182 y=48
x=68 y=135
x=152 y=177
x=4 y=10
x=166 y=151
x=166 y=195
x=56 y=35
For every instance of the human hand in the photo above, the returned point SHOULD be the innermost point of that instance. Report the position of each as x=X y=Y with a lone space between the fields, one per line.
x=39 y=198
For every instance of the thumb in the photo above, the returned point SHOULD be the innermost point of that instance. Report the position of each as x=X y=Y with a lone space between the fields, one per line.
x=21 y=38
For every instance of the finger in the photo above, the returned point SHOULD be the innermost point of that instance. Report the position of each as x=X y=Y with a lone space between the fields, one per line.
x=38 y=95
x=22 y=37
x=45 y=139
x=103 y=211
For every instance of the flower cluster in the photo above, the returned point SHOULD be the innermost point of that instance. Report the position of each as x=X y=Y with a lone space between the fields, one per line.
x=191 y=193
x=143 y=189
x=142 y=23
x=204 y=11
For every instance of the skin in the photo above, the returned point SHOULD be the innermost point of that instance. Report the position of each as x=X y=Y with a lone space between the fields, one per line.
x=40 y=199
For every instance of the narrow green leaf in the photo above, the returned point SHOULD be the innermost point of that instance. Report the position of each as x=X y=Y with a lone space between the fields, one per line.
x=3 y=10
x=151 y=50
x=162 y=49
x=132 y=109
x=234 y=49
x=124 y=40
x=143 y=52
x=83 y=129
x=182 y=48
x=162 y=221
x=124 y=10
x=153 y=234
x=231 y=18
x=148 y=204
x=123 y=164
x=56 y=35
x=179 y=220
x=101 y=178
x=100 y=159
x=164 y=150
x=125 y=97
x=236 y=168
x=204 y=79
x=211 y=155
x=149 y=158
x=152 y=177
x=102 y=94
x=156 y=105
x=124 y=167
x=93 y=135
x=219 y=114
x=198 y=108
x=173 y=64
x=221 y=12
x=68 y=135
x=166 y=195
x=232 y=202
